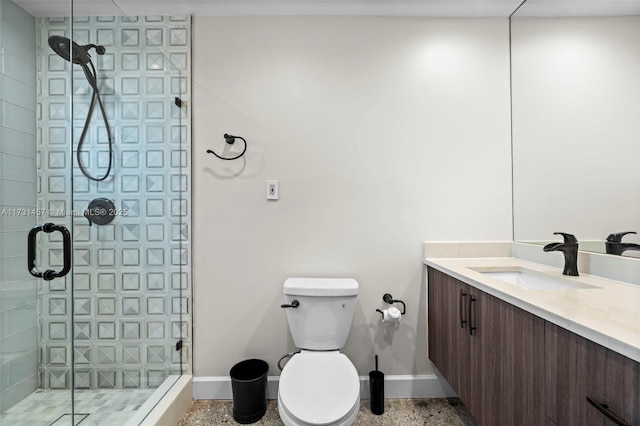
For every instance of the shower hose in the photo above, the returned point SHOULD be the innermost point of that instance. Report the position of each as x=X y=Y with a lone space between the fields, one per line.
x=91 y=76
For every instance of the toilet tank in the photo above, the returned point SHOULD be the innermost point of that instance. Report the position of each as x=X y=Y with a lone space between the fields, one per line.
x=323 y=318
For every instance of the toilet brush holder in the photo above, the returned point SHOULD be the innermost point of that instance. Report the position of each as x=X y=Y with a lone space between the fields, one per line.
x=376 y=390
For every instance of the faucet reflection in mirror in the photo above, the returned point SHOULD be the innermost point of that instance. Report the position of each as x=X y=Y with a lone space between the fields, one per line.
x=614 y=244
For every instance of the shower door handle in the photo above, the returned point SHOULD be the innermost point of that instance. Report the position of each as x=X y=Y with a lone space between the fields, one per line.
x=48 y=228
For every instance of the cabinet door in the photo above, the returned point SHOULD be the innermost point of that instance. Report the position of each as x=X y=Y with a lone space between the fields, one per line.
x=447 y=338
x=485 y=358
x=439 y=323
x=521 y=398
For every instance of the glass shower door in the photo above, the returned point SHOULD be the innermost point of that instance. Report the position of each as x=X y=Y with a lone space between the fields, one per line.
x=129 y=207
x=35 y=248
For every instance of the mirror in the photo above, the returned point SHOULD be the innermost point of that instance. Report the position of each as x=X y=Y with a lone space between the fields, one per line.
x=576 y=122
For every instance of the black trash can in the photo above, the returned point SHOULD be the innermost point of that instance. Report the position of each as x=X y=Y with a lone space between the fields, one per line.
x=249 y=386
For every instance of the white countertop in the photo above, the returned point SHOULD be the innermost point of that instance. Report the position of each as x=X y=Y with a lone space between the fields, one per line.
x=608 y=315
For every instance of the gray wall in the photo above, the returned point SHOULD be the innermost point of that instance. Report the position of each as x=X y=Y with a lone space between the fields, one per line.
x=383 y=132
x=18 y=291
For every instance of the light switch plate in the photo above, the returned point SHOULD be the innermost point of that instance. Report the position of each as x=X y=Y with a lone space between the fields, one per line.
x=273 y=189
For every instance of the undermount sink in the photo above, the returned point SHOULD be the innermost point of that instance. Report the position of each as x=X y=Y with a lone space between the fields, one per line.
x=533 y=280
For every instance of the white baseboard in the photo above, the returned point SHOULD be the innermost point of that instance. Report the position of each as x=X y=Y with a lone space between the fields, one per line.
x=397 y=386
x=407 y=386
x=219 y=387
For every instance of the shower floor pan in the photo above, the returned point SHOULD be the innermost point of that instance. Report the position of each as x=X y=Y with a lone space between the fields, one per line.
x=113 y=407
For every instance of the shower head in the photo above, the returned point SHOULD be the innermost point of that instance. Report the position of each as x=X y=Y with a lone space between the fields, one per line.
x=69 y=50
x=72 y=51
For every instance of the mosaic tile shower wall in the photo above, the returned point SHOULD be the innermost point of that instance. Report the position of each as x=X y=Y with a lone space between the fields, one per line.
x=132 y=281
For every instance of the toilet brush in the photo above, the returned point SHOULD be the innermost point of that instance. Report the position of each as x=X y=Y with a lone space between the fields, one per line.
x=376 y=390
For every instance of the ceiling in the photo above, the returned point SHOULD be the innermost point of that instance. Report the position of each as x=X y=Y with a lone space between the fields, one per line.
x=452 y=8
x=422 y=8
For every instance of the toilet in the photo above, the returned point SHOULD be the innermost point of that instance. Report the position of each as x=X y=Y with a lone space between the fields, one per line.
x=320 y=385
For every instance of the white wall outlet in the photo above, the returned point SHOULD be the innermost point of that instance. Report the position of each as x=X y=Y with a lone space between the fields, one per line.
x=273 y=189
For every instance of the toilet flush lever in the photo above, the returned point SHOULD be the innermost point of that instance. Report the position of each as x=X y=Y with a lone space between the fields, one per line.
x=294 y=304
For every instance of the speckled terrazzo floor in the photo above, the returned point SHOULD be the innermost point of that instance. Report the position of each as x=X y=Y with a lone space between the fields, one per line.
x=403 y=412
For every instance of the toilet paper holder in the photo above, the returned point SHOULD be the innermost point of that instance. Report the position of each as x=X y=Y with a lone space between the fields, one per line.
x=387 y=298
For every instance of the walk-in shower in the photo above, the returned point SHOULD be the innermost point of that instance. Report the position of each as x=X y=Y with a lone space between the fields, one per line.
x=89 y=120
x=73 y=52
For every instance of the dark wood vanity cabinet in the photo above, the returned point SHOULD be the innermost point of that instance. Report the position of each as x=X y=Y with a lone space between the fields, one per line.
x=515 y=368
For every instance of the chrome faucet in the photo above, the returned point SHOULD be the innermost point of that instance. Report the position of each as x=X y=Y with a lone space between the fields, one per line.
x=614 y=244
x=570 y=250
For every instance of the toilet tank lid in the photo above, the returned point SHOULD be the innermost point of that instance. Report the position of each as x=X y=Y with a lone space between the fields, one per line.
x=321 y=287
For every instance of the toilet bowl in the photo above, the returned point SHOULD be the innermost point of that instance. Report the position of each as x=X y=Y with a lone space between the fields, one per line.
x=319 y=388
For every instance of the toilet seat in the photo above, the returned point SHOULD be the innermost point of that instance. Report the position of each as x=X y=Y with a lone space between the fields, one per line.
x=319 y=388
